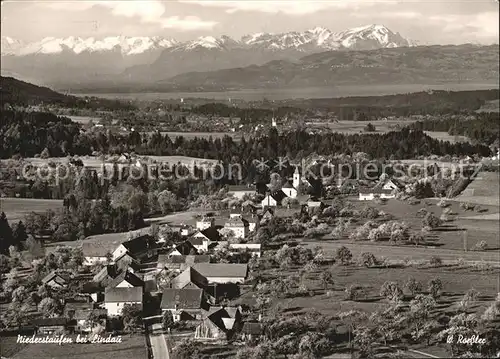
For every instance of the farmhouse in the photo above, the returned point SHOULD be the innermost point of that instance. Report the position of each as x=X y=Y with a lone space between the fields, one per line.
x=204 y=223
x=273 y=199
x=219 y=324
x=189 y=278
x=240 y=191
x=202 y=239
x=383 y=189
x=55 y=280
x=222 y=272
x=141 y=246
x=105 y=275
x=116 y=298
x=184 y=304
x=78 y=315
x=95 y=252
x=179 y=263
x=239 y=226
x=127 y=262
x=126 y=279
x=48 y=326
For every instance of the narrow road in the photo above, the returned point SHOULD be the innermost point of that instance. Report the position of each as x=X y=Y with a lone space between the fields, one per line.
x=158 y=342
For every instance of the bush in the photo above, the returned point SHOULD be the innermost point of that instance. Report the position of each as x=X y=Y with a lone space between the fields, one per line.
x=413 y=286
x=435 y=261
x=442 y=203
x=481 y=246
x=391 y=291
x=467 y=206
x=368 y=259
x=422 y=212
x=355 y=292
x=344 y=255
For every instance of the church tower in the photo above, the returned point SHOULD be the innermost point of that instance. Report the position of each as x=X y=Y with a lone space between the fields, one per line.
x=296 y=178
x=273 y=122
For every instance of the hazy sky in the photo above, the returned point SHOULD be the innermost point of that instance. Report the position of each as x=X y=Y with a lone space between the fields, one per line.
x=427 y=21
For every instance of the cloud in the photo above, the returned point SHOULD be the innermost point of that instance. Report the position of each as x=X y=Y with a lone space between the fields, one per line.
x=483 y=25
x=407 y=15
x=148 y=11
x=289 y=7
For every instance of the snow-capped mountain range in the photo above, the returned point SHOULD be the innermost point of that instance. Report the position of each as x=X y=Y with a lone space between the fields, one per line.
x=120 y=61
x=362 y=38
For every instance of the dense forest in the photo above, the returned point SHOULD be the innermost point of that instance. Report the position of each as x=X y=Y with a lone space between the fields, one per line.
x=31 y=133
x=369 y=108
x=484 y=128
x=418 y=103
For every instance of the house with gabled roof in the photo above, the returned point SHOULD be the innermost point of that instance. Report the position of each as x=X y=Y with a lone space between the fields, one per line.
x=127 y=262
x=204 y=223
x=202 y=239
x=95 y=252
x=48 y=326
x=105 y=275
x=222 y=272
x=126 y=279
x=219 y=323
x=116 y=298
x=55 y=280
x=384 y=189
x=239 y=226
x=142 y=246
x=184 y=304
x=189 y=278
x=273 y=199
x=180 y=263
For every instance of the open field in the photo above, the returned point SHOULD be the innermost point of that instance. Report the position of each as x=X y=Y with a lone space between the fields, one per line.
x=453 y=233
x=350 y=127
x=490 y=106
x=96 y=162
x=17 y=208
x=398 y=254
x=131 y=347
x=83 y=119
x=484 y=190
x=445 y=136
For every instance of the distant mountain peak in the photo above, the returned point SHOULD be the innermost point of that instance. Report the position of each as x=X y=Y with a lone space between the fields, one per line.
x=128 y=45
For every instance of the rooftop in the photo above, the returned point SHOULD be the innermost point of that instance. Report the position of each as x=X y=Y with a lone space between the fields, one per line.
x=127 y=276
x=187 y=298
x=222 y=270
x=123 y=295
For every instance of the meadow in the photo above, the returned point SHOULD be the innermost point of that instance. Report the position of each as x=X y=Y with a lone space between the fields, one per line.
x=84 y=119
x=16 y=208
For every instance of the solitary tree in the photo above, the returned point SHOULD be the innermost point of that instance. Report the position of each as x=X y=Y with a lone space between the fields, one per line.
x=391 y=291
x=344 y=255
x=167 y=320
x=413 y=286
x=434 y=287
x=327 y=279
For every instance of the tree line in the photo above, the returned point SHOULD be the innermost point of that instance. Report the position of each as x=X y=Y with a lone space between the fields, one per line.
x=31 y=133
